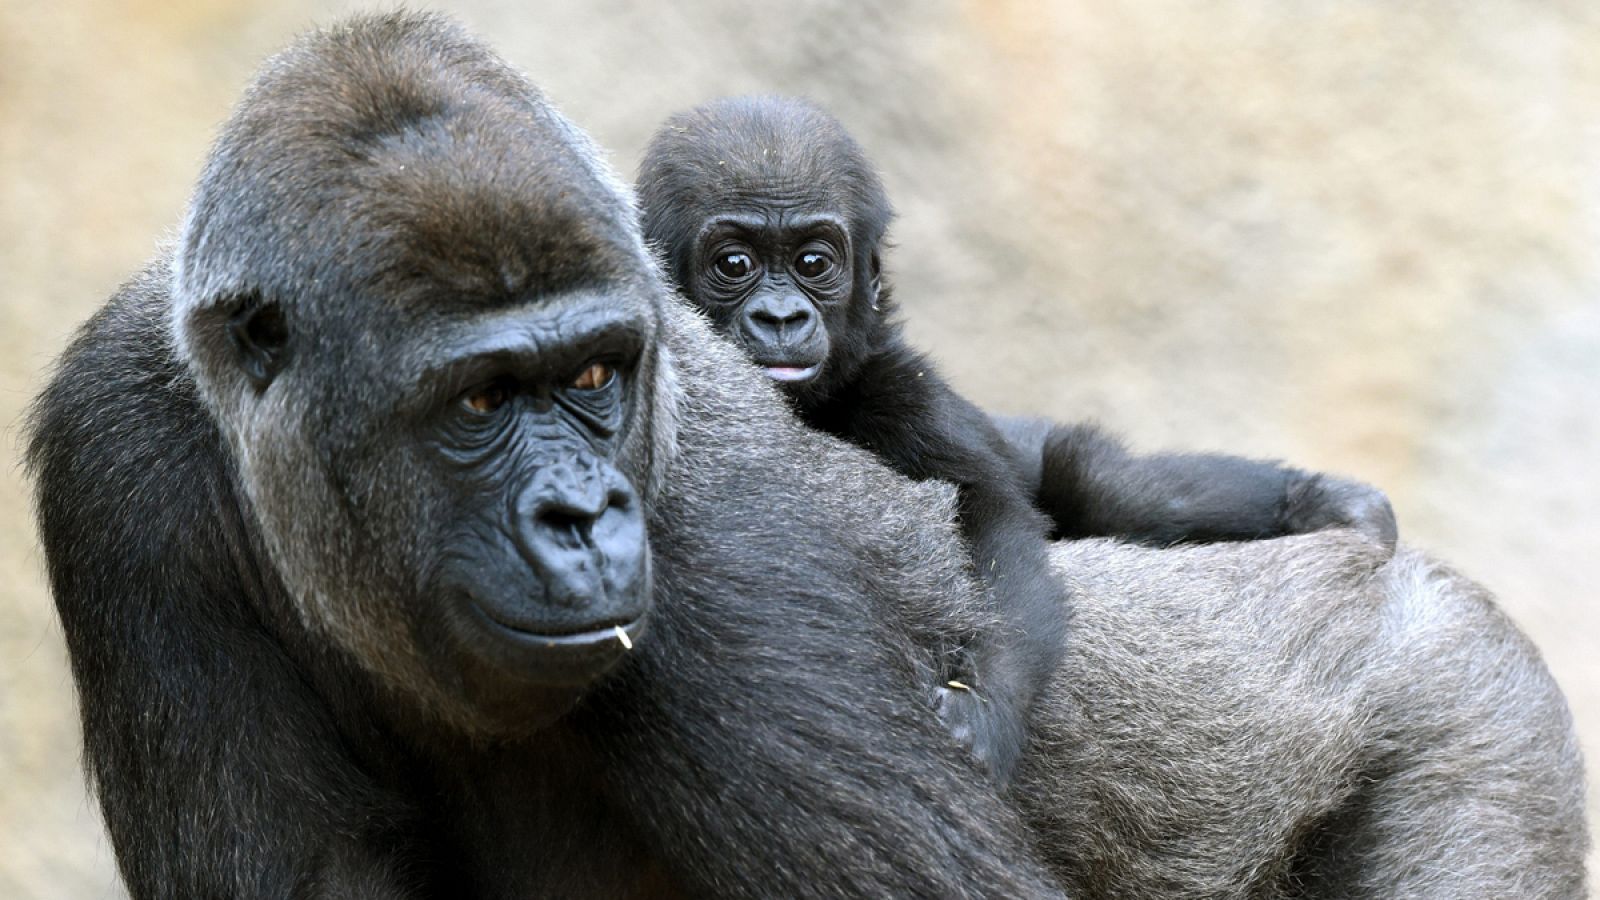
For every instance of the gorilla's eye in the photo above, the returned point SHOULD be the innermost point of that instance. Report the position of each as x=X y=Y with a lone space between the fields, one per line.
x=735 y=266
x=598 y=376
x=812 y=264
x=487 y=398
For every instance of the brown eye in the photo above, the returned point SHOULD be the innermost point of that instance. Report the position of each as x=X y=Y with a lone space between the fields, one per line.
x=812 y=265
x=488 y=398
x=735 y=266
x=597 y=376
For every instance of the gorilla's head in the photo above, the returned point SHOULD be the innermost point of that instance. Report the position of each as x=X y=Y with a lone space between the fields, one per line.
x=418 y=305
x=772 y=221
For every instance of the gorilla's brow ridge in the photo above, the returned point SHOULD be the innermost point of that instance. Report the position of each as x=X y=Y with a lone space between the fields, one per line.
x=509 y=343
x=795 y=223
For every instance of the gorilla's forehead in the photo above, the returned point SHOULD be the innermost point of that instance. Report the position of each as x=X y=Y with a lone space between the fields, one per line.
x=501 y=291
x=780 y=181
x=486 y=204
x=791 y=217
x=440 y=240
x=363 y=163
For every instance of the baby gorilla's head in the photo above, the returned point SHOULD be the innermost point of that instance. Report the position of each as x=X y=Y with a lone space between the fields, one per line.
x=771 y=218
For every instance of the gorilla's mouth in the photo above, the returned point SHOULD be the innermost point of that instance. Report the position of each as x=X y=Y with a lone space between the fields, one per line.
x=624 y=632
x=792 y=374
x=555 y=654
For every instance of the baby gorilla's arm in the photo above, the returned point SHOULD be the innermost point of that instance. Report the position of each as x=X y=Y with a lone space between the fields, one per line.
x=1091 y=486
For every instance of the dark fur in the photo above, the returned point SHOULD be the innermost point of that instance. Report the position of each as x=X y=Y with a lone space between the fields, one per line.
x=1092 y=486
x=245 y=534
x=735 y=176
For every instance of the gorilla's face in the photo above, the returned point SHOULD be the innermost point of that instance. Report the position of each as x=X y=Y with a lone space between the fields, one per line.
x=436 y=369
x=453 y=479
x=776 y=280
x=536 y=562
x=771 y=221
x=444 y=477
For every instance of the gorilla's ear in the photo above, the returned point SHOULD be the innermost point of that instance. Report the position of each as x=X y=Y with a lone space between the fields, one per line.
x=259 y=335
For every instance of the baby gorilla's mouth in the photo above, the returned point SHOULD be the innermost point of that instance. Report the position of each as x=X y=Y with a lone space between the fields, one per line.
x=791 y=374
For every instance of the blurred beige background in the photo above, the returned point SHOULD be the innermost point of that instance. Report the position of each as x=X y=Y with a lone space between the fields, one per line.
x=1363 y=236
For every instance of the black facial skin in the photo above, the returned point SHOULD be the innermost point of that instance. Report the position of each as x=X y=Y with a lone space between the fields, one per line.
x=772 y=278
x=736 y=194
x=389 y=569
x=564 y=545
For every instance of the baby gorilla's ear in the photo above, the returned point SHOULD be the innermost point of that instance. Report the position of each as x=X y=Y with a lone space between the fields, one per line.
x=875 y=273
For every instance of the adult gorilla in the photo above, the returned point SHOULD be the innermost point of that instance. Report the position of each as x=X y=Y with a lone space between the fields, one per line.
x=348 y=510
x=354 y=508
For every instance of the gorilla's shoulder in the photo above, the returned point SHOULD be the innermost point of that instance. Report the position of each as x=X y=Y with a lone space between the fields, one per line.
x=118 y=437
x=120 y=363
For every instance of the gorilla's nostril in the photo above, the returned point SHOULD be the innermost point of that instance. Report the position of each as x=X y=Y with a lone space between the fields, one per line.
x=566 y=522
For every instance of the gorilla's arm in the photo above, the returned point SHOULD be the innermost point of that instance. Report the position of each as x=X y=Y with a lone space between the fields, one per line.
x=1090 y=485
x=218 y=769
x=853 y=789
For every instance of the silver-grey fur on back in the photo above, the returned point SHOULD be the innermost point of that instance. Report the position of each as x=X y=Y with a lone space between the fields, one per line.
x=1282 y=719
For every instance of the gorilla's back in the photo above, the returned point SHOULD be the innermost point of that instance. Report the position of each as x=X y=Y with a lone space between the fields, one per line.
x=1302 y=718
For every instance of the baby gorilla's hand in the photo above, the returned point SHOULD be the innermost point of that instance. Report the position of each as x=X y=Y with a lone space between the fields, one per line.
x=987 y=727
x=1314 y=502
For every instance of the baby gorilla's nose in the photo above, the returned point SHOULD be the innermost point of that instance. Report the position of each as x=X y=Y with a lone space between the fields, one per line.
x=781 y=319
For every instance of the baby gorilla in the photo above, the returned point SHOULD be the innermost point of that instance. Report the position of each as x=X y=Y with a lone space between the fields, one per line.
x=772 y=221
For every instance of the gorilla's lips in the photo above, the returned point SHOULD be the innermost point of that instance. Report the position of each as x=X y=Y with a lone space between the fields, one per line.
x=566 y=593
x=562 y=657
x=789 y=363
x=792 y=374
x=562 y=638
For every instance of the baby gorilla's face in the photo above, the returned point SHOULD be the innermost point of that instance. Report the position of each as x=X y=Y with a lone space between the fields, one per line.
x=775 y=281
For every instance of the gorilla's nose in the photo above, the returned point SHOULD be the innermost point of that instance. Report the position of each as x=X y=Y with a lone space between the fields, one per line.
x=569 y=519
x=783 y=319
x=581 y=529
x=567 y=496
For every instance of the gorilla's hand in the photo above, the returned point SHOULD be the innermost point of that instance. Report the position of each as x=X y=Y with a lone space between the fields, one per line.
x=981 y=723
x=1314 y=502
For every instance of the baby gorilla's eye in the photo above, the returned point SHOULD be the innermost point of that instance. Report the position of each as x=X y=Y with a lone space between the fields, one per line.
x=813 y=265
x=735 y=266
x=487 y=398
x=599 y=375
